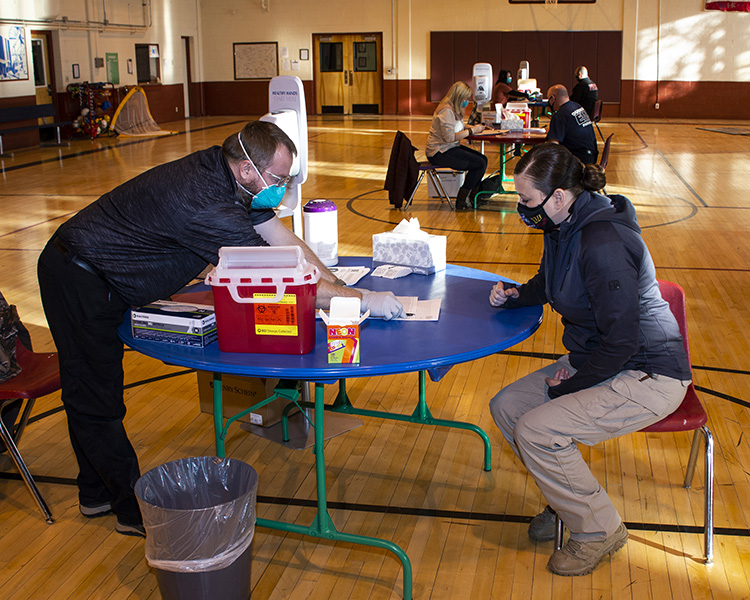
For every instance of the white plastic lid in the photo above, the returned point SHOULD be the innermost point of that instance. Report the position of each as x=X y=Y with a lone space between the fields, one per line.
x=262 y=264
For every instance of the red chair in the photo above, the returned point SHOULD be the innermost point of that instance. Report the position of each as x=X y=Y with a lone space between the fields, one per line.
x=40 y=375
x=689 y=416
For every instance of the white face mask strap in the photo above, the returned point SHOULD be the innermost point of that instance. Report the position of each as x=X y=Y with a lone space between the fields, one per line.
x=265 y=185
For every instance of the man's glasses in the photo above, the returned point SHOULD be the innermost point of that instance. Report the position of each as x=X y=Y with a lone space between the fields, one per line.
x=279 y=181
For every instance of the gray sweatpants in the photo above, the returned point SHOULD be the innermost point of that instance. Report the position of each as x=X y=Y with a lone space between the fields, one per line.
x=543 y=433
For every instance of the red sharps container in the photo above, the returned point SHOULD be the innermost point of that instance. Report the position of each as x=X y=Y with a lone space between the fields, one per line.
x=264 y=299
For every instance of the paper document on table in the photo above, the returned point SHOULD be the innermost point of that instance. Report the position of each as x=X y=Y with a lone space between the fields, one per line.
x=391 y=271
x=419 y=310
x=349 y=275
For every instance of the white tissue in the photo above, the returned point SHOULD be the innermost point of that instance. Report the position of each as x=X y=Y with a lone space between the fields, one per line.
x=411 y=229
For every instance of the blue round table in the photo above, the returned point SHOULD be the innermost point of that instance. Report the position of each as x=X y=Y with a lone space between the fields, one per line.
x=468 y=328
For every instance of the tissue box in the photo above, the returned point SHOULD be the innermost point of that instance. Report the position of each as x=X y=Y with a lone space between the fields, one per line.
x=424 y=255
x=511 y=124
x=342 y=330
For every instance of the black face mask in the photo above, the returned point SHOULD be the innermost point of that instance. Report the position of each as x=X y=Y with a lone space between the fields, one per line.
x=537 y=217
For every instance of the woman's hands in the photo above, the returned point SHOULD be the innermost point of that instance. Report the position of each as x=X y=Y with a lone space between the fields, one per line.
x=560 y=376
x=499 y=295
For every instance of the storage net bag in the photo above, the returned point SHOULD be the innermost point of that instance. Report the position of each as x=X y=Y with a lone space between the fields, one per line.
x=133 y=119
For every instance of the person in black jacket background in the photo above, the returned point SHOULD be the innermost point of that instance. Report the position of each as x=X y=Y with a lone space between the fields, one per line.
x=585 y=91
x=626 y=366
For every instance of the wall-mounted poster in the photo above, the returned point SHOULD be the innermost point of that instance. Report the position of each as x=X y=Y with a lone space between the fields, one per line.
x=13 y=62
x=256 y=60
x=113 y=68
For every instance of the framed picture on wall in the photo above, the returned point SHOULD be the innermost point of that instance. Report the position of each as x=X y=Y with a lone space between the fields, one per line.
x=256 y=60
x=14 y=64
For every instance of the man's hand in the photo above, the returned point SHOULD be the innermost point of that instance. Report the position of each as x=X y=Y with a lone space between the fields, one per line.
x=381 y=304
x=499 y=295
x=560 y=376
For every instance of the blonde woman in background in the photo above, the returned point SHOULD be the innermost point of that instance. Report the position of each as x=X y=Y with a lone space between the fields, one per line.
x=444 y=147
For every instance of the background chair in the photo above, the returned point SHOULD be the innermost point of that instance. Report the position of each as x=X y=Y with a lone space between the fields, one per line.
x=433 y=172
x=689 y=416
x=40 y=376
x=604 y=158
x=596 y=116
x=405 y=173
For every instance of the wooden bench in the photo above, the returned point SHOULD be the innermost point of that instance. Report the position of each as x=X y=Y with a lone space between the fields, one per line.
x=18 y=114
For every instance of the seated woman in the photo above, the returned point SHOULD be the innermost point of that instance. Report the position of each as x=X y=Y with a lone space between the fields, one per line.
x=502 y=93
x=626 y=366
x=444 y=147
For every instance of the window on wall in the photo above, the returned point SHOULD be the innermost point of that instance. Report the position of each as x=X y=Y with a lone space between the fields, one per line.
x=365 y=56
x=37 y=54
x=147 y=63
x=331 y=57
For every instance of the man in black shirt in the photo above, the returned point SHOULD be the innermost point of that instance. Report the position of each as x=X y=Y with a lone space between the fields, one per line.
x=585 y=91
x=141 y=242
x=570 y=125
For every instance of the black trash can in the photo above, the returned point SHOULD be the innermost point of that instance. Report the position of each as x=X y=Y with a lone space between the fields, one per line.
x=199 y=515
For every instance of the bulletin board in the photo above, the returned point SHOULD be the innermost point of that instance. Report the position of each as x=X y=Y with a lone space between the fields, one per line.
x=256 y=60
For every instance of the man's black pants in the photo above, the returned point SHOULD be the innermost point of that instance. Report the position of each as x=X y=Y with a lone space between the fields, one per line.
x=83 y=313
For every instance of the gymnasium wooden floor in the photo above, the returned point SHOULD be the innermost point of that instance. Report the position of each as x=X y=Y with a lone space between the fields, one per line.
x=422 y=487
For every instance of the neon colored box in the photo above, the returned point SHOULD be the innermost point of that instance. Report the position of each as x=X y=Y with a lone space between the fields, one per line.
x=343 y=343
x=264 y=298
x=342 y=329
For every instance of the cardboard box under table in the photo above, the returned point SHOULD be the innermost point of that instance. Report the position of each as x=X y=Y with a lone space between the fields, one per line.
x=240 y=393
x=264 y=299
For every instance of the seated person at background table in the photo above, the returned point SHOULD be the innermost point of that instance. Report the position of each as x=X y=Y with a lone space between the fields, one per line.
x=502 y=93
x=571 y=126
x=585 y=91
x=626 y=366
x=444 y=147
x=141 y=242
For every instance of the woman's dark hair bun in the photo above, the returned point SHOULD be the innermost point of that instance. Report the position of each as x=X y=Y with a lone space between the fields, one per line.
x=594 y=178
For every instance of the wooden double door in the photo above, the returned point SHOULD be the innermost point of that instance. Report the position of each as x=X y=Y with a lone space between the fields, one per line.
x=348 y=73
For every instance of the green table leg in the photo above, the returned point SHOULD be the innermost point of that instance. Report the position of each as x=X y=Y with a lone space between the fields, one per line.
x=218 y=416
x=323 y=526
x=420 y=415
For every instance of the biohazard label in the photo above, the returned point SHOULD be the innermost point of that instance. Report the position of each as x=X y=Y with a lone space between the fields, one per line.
x=277 y=318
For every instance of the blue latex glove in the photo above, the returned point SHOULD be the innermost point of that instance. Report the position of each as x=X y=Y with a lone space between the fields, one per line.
x=381 y=304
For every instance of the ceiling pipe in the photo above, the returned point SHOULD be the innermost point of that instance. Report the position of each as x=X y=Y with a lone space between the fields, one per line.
x=88 y=25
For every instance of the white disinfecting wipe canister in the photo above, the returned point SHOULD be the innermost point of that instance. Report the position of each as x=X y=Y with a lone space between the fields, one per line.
x=320 y=219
